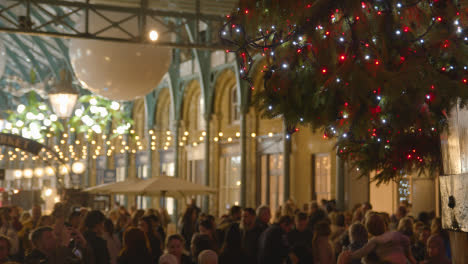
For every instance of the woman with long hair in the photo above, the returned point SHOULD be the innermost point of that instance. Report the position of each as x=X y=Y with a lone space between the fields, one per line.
x=175 y=246
x=189 y=225
x=321 y=246
x=113 y=242
x=155 y=242
x=135 y=248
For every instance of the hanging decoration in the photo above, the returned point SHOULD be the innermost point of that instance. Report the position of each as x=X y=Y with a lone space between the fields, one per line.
x=36 y=120
x=377 y=76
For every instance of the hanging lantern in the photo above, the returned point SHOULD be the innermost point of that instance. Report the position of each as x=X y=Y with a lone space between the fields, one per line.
x=120 y=71
x=63 y=96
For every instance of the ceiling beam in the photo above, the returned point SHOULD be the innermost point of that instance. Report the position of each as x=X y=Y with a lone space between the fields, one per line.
x=139 y=13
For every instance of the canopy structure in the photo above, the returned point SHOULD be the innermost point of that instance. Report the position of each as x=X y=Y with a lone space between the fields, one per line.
x=161 y=185
x=109 y=187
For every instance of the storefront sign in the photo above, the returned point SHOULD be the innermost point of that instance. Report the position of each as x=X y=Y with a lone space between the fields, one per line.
x=16 y=141
x=109 y=176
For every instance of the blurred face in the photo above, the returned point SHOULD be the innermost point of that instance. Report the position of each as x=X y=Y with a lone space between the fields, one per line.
x=265 y=216
x=143 y=226
x=48 y=241
x=248 y=220
x=194 y=215
x=4 y=250
x=435 y=228
x=424 y=235
x=286 y=228
x=36 y=212
x=301 y=225
x=75 y=221
x=204 y=231
x=175 y=247
x=14 y=213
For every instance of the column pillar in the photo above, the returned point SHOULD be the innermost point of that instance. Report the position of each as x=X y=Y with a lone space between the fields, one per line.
x=287 y=162
x=340 y=183
x=243 y=150
x=176 y=149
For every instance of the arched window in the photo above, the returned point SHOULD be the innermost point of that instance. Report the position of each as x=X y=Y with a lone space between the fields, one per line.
x=201 y=122
x=235 y=105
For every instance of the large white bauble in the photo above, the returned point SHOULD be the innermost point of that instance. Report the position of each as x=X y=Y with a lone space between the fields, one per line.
x=3 y=57
x=118 y=71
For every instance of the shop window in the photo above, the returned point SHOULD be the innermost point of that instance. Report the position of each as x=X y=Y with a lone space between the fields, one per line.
x=120 y=175
x=167 y=169
x=196 y=174
x=230 y=183
x=142 y=166
x=235 y=106
x=322 y=176
x=201 y=122
x=272 y=180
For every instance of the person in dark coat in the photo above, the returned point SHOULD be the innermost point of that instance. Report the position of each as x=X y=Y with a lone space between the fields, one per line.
x=155 y=242
x=188 y=225
x=263 y=217
x=250 y=232
x=235 y=214
x=94 y=225
x=316 y=215
x=300 y=239
x=231 y=252
x=135 y=248
x=273 y=244
x=199 y=243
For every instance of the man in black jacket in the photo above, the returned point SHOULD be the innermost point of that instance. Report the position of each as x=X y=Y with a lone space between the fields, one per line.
x=273 y=245
x=300 y=239
x=250 y=232
x=47 y=250
x=94 y=223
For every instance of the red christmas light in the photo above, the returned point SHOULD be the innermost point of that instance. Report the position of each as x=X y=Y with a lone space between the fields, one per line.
x=439 y=19
x=324 y=70
x=465 y=81
x=342 y=57
x=246 y=11
x=377 y=62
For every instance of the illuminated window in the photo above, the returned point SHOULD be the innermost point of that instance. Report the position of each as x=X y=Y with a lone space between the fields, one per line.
x=230 y=183
x=201 y=123
x=322 y=173
x=235 y=105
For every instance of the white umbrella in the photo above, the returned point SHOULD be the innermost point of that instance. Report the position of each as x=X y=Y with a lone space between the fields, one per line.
x=109 y=188
x=164 y=185
x=161 y=185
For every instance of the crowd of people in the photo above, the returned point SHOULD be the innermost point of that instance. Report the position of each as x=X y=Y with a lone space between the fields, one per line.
x=316 y=233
